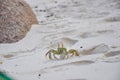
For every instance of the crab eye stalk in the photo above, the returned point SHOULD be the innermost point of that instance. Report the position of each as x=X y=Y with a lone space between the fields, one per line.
x=58 y=45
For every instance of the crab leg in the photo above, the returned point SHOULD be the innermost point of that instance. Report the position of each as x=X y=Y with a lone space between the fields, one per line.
x=73 y=52
x=77 y=53
x=55 y=56
x=48 y=55
x=66 y=56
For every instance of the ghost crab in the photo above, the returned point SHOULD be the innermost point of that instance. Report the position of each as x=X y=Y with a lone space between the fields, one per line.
x=61 y=53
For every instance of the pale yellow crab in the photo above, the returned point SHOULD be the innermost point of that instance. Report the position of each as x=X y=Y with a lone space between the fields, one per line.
x=61 y=53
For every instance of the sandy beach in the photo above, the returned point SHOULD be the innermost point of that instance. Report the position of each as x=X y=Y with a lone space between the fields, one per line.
x=92 y=27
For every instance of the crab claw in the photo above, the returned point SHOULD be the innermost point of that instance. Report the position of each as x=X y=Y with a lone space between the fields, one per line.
x=73 y=52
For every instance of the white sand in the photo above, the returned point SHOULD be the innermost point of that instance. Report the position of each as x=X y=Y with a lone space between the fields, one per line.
x=76 y=23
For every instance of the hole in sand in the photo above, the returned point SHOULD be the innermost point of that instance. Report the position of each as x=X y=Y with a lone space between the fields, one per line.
x=105 y=31
x=87 y=35
x=113 y=19
x=112 y=53
x=8 y=56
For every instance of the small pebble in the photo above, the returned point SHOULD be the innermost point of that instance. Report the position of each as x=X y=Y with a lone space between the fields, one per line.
x=81 y=47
